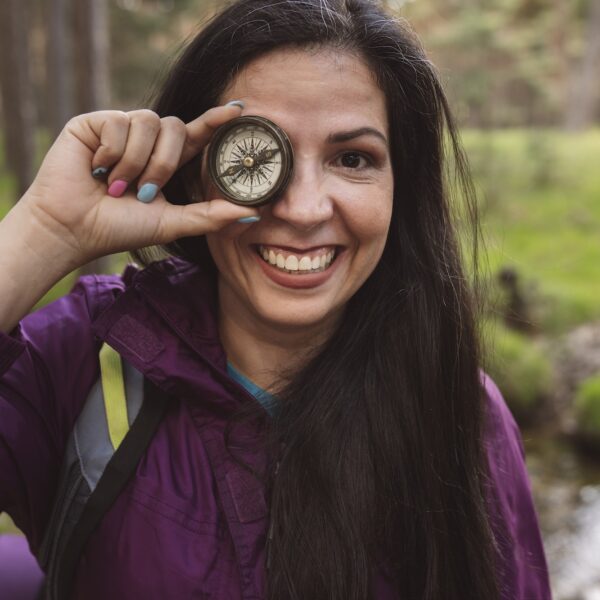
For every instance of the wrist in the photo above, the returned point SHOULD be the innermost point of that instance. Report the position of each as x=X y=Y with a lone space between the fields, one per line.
x=37 y=241
x=32 y=260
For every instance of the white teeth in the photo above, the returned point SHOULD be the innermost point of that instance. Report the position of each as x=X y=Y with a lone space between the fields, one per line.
x=305 y=264
x=291 y=263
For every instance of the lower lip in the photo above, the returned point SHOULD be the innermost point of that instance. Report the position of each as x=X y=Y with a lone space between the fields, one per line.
x=298 y=282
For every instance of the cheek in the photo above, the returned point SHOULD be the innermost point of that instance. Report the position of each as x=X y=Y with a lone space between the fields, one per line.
x=227 y=245
x=377 y=224
x=369 y=217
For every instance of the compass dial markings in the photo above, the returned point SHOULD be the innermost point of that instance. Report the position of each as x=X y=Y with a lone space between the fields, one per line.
x=250 y=160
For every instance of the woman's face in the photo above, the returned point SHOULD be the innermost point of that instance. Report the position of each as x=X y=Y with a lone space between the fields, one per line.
x=337 y=207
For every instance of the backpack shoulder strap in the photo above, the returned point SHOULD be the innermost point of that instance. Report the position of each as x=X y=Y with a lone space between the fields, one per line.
x=102 y=454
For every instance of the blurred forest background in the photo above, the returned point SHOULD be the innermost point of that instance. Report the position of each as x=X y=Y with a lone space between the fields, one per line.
x=523 y=77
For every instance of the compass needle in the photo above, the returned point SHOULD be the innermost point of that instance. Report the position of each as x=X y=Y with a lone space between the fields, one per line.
x=231 y=171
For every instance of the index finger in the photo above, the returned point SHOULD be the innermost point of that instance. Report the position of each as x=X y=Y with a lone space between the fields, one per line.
x=200 y=130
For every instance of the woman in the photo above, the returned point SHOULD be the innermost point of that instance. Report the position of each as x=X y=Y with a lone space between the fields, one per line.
x=399 y=469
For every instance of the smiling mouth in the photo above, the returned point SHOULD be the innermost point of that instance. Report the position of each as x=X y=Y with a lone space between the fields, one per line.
x=312 y=261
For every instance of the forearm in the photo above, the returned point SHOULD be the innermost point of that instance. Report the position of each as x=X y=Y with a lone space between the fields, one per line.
x=32 y=260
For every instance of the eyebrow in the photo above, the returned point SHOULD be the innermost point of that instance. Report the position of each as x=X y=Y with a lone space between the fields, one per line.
x=345 y=136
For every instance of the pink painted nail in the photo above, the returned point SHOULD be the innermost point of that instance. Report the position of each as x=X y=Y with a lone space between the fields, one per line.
x=117 y=188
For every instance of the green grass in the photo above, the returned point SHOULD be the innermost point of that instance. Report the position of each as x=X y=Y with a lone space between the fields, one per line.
x=540 y=206
x=520 y=367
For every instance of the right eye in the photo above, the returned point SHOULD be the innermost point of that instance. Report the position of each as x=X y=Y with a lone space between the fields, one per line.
x=354 y=161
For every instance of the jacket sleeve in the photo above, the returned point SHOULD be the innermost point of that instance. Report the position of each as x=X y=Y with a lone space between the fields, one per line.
x=48 y=363
x=523 y=573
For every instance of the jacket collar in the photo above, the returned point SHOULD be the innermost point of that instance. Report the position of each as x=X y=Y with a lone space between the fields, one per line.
x=165 y=324
x=186 y=298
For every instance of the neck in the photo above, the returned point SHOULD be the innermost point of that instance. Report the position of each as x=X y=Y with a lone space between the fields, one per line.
x=267 y=353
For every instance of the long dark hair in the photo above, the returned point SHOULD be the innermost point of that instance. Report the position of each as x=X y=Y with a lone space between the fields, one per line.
x=384 y=467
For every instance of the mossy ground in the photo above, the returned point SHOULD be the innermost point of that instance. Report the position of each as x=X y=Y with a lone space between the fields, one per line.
x=540 y=207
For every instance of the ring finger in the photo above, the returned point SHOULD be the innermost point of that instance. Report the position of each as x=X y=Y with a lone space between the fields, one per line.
x=164 y=159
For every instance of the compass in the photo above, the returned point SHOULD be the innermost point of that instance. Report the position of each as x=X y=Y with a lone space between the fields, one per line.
x=250 y=159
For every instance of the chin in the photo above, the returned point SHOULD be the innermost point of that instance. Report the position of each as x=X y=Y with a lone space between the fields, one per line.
x=303 y=315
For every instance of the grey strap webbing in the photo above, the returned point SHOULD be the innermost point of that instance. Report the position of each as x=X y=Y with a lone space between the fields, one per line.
x=94 y=470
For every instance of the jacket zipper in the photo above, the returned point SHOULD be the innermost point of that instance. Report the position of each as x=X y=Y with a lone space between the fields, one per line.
x=269 y=544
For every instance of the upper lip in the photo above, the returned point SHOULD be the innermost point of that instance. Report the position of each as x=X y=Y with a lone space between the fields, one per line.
x=297 y=248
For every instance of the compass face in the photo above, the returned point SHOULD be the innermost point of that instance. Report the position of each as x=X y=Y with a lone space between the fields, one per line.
x=250 y=160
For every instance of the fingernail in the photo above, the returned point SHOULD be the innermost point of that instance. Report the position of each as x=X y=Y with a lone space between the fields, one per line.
x=117 y=188
x=99 y=172
x=147 y=192
x=235 y=103
x=248 y=219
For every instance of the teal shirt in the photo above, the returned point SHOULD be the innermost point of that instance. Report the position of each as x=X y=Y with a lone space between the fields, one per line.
x=266 y=400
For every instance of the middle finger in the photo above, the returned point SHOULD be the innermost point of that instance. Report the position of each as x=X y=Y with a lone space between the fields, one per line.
x=143 y=130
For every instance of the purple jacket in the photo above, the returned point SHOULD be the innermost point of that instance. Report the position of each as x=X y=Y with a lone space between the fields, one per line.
x=191 y=524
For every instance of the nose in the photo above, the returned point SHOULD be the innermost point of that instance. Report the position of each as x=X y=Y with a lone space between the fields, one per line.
x=305 y=203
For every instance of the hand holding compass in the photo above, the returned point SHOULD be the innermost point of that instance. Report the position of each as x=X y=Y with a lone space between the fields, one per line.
x=250 y=160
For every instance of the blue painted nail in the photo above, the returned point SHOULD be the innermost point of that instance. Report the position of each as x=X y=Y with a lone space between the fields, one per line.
x=235 y=103
x=99 y=172
x=147 y=192
x=248 y=219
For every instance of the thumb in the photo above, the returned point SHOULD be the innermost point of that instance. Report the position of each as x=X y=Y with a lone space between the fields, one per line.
x=200 y=218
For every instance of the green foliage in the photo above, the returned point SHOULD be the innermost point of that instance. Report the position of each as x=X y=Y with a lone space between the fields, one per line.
x=145 y=36
x=501 y=60
x=7 y=183
x=6 y=524
x=587 y=410
x=6 y=201
x=539 y=205
x=519 y=367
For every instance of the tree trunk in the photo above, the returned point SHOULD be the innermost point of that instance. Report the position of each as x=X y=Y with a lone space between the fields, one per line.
x=18 y=107
x=584 y=86
x=92 y=89
x=92 y=44
x=59 y=106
